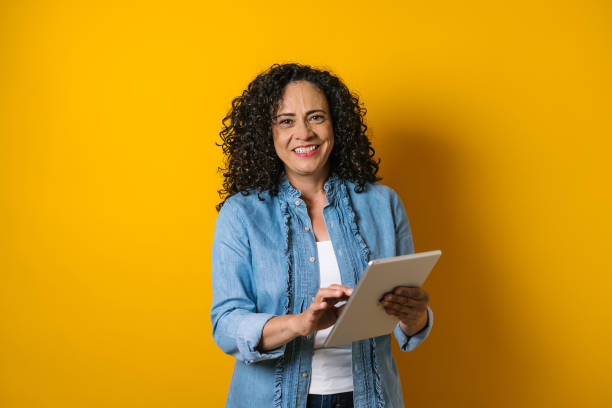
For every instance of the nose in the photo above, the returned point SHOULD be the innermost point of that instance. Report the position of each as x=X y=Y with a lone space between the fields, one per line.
x=304 y=131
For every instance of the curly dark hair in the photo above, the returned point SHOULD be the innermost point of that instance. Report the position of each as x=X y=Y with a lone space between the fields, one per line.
x=250 y=158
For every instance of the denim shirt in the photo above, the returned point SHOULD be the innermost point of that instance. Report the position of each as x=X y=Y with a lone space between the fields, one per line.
x=264 y=264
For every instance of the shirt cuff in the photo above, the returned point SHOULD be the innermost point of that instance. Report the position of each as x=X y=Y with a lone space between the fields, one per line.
x=249 y=336
x=410 y=343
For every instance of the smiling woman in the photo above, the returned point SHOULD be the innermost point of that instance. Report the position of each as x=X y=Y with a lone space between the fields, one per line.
x=303 y=133
x=252 y=161
x=301 y=218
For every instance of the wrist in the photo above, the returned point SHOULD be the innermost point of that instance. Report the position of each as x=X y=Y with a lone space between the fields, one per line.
x=411 y=330
x=297 y=326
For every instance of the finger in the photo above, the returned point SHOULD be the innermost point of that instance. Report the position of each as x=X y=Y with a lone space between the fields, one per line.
x=404 y=301
x=394 y=307
x=401 y=291
x=333 y=291
x=335 y=301
x=325 y=303
x=409 y=318
x=403 y=304
x=403 y=309
x=318 y=307
x=326 y=293
x=330 y=294
x=402 y=313
x=414 y=293
x=347 y=290
x=392 y=311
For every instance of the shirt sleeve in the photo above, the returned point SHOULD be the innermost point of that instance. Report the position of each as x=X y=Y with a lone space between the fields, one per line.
x=410 y=343
x=237 y=327
x=404 y=246
x=403 y=233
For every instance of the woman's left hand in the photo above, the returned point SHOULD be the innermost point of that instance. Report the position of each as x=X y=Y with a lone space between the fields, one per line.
x=410 y=305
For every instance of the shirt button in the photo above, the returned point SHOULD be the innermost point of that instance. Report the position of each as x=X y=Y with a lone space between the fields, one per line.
x=307 y=229
x=297 y=202
x=311 y=259
x=304 y=375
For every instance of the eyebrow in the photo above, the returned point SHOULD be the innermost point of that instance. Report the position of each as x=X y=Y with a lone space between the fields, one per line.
x=293 y=114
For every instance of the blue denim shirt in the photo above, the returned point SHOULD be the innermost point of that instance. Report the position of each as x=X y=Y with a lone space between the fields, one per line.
x=264 y=264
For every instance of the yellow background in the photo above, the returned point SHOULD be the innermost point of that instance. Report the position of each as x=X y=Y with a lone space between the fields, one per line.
x=493 y=123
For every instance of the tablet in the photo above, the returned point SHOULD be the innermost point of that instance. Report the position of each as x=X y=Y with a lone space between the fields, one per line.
x=363 y=316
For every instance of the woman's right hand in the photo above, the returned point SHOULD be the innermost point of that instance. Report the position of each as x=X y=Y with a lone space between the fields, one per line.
x=323 y=313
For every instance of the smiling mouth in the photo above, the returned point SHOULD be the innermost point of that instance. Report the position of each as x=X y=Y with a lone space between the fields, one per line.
x=306 y=151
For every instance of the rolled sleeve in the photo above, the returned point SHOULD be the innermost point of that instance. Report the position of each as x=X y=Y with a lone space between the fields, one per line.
x=410 y=343
x=249 y=334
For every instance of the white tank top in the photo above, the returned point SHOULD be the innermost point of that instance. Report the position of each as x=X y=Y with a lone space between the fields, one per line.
x=331 y=367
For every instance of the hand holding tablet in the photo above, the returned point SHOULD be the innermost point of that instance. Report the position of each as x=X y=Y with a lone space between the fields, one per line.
x=361 y=318
x=410 y=307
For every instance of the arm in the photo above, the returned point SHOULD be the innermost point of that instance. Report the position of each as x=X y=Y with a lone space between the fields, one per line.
x=237 y=327
x=409 y=304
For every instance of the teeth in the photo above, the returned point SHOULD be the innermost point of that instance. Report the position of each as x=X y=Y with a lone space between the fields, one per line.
x=305 y=149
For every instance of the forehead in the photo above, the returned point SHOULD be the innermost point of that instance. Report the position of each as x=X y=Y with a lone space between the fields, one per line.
x=302 y=95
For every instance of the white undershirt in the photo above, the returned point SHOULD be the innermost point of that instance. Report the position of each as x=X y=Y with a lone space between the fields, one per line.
x=332 y=366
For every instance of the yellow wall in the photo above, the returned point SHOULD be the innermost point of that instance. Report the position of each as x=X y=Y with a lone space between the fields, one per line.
x=493 y=123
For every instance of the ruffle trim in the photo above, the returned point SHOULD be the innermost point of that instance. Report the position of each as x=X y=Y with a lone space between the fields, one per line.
x=364 y=251
x=380 y=401
x=280 y=363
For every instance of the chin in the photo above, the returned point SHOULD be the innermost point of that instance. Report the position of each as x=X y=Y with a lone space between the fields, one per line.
x=305 y=171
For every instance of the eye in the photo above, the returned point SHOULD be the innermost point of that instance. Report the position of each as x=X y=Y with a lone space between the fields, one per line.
x=285 y=122
x=317 y=118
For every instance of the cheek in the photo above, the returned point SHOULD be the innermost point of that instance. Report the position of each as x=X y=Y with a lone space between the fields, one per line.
x=329 y=129
x=281 y=145
x=280 y=152
x=326 y=132
x=331 y=138
x=277 y=139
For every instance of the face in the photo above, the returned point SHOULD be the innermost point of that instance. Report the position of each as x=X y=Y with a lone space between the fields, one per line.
x=303 y=132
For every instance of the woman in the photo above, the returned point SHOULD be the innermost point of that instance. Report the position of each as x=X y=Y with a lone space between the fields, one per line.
x=302 y=216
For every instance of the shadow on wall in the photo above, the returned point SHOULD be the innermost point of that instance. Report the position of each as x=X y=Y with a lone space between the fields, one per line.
x=463 y=361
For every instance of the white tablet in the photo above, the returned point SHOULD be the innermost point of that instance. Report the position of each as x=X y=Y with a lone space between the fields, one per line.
x=363 y=316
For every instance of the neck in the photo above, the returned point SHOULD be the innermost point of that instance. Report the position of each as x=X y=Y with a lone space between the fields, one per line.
x=311 y=186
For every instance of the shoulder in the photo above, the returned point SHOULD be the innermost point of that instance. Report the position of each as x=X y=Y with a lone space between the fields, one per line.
x=373 y=192
x=238 y=215
x=246 y=202
x=250 y=211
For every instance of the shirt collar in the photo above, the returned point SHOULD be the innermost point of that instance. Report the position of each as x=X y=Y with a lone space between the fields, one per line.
x=289 y=193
